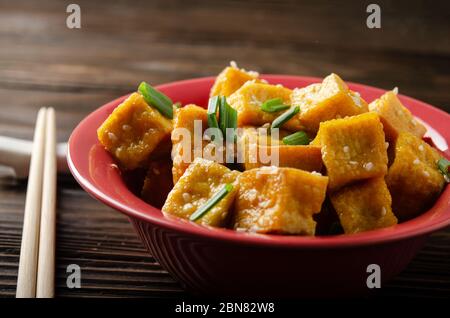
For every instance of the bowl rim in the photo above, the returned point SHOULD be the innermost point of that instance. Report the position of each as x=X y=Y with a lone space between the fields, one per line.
x=421 y=225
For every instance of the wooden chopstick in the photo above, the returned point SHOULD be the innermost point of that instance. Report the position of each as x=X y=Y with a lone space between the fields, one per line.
x=26 y=280
x=46 y=262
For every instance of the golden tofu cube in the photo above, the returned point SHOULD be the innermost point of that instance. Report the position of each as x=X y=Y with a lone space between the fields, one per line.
x=395 y=117
x=353 y=149
x=230 y=80
x=202 y=180
x=279 y=200
x=325 y=101
x=364 y=206
x=248 y=99
x=413 y=178
x=133 y=131
x=184 y=122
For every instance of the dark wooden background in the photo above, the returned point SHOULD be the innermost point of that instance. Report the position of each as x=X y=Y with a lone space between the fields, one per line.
x=43 y=63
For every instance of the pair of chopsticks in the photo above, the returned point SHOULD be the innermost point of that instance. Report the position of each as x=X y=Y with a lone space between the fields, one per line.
x=37 y=254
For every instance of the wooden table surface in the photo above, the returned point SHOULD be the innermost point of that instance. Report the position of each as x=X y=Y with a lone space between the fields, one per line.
x=43 y=63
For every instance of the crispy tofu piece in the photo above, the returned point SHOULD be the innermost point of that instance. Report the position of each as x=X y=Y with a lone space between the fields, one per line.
x=248 y=99
x=353 y=149
x=278 y=200
x=199 y=183
x=364 y=206
x=413 y=178
x=158 y=182
x=184 y=120
x=325 y=101
x=230 y=80
x=395 y=117
x=133 y=131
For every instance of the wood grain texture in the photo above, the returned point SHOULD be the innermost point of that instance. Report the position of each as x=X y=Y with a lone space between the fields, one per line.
x=43 y=63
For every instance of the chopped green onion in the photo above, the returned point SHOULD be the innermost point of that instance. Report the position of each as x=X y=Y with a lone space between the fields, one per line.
x=201 y=211
x=213 y=104
x=443 y=168
x=223 y=114
x=227 y=116
x=298 y=138
x=283 y=118
x=157 y=99
x=274 y=105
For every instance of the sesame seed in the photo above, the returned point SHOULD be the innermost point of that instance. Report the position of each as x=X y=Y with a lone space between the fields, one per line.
x=386 y=145
x=395 y=90
x=187 y=207
x=126 y=127
x=426 y=173
x=112 y=137
x=368 y=166
x=315 y=173
x=421 y=148
x=233 y=64
x=413 y=121
x=416 y=161
x=383 y=211
x=346 y=149
x=352 y=162
x=186 y=197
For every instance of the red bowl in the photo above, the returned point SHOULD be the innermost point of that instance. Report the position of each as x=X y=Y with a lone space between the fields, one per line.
x=225 y=262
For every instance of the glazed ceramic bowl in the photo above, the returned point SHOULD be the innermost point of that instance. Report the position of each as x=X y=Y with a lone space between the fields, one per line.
x=225 y=262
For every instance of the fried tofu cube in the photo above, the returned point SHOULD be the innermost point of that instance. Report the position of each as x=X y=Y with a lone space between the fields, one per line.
x=353 y=149
x=279 y=200
x=413 y=178
x=158 y=182
x=248 y=99
x=202 y=180
x=395 y=117
x=184 y=122
x=364 y=206
x=133 y=131
x=325 y=101
x=230 y=80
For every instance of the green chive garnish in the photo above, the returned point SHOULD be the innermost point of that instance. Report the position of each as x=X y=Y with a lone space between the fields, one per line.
x=227 y=116
x=157 y=99
x=274 y=105
x=443 y=168
x=213 y=104
x=211 y=202
x=298 y=138
x=283 y=118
